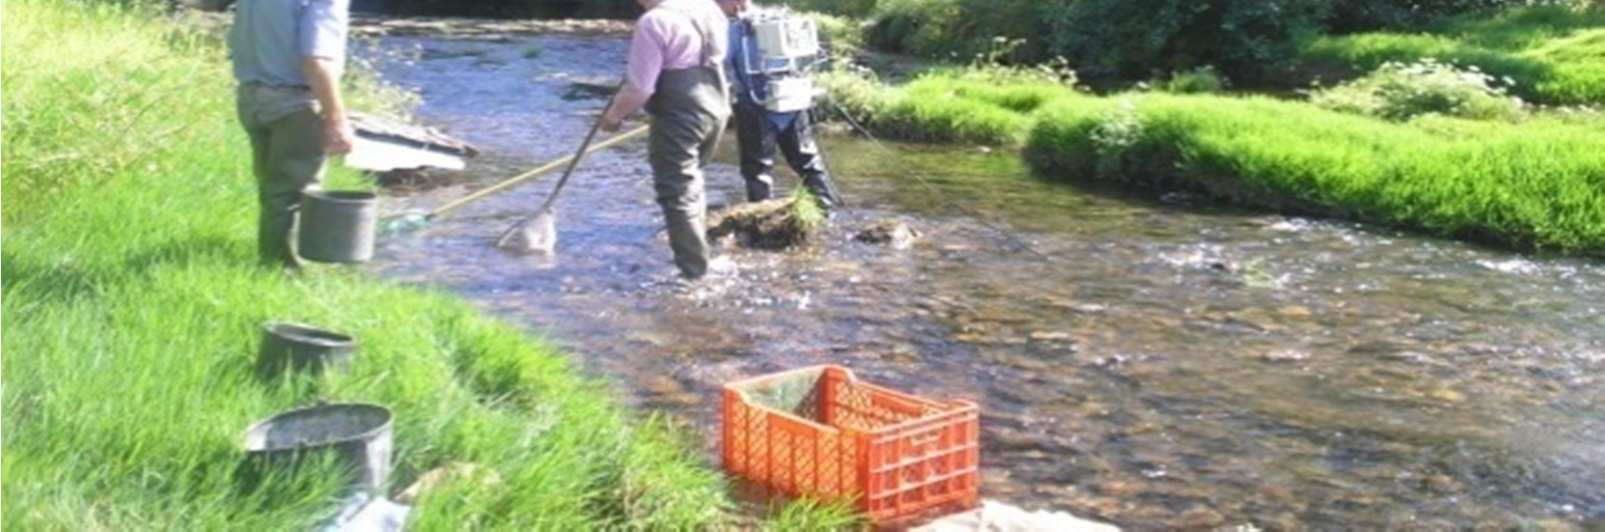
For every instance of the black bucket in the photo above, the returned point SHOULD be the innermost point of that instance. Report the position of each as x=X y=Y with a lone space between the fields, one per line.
x=295 y=347
x=358 y=435
x=337 y=226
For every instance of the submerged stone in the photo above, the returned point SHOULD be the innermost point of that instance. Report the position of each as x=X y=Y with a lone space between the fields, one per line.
x=1199 y=518
x=892 y=233
x=1050 y=336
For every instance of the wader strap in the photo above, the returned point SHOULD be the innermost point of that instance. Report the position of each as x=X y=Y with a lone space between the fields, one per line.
x=708 y=59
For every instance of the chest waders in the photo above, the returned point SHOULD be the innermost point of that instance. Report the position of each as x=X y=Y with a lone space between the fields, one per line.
x=760 y=132
x=689 y=108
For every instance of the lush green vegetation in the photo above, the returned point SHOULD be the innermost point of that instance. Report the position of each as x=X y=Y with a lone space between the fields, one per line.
x=1113 y=42
x=1548 y=45
x=1428 y=128
x=1538 y=183
x=1550 y=54
x=976 y=105
x=133 y=306
x=1398 y=91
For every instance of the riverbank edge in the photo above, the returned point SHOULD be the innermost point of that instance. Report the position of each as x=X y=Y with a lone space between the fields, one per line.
x=1529 y=186
x=133 y=311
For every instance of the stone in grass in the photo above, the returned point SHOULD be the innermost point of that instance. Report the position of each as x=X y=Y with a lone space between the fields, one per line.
x=774 y=224
x=892 y=233
x=449 y=472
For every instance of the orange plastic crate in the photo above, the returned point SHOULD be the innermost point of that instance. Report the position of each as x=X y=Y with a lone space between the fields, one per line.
x=820 y=432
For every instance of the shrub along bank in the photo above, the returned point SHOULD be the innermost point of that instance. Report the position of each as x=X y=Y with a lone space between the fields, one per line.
x=1534 y=184
x=1549 y=54
x=1252 y=42
x=132 y=312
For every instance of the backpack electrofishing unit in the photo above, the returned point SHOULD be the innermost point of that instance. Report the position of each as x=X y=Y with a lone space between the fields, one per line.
x=788 y=48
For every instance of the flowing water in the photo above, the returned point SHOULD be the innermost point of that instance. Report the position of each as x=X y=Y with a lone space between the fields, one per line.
x=1151 y=364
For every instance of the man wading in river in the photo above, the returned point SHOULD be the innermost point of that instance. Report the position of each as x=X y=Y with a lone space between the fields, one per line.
x=675 y=71
x=759 y=128
x=288 y=56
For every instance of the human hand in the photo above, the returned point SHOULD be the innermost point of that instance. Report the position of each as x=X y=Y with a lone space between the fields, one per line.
x=610 y=124
x=339 y=137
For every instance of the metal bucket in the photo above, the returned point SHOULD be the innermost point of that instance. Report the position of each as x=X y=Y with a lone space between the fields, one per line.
x=338 y=226
x=297 y=347
x=358 y=434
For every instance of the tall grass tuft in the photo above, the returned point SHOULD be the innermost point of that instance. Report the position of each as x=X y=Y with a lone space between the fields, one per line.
x=132 y=314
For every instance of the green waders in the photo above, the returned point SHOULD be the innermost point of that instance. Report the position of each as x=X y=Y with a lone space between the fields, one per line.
x=689 y=111
x=287 y=142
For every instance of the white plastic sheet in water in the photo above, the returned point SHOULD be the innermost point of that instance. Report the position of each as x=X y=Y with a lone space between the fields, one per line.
x=376 y=155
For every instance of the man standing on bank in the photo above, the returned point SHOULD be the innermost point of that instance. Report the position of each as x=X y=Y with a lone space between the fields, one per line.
x=675 y=72
x=759 y=129
x=288 y=56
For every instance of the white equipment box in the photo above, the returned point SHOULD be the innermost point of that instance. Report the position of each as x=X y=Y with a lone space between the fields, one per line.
x=786 y=37
x=790 y=94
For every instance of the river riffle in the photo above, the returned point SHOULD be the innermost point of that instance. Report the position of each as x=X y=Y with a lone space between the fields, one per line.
x=1151 y=364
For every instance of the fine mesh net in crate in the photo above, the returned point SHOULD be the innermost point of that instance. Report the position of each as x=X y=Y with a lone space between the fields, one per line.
x=821 y=432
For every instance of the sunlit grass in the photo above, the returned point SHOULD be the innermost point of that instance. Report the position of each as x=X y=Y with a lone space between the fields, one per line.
x=132 y=315
x=1554 y=54
x=956 y=105
x=1535 y=184
x=813 y=516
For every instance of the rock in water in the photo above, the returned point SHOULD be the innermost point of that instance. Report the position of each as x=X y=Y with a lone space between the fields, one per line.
x=585 y=90
x=422 y=179
x=892 y=233
x=773 y=224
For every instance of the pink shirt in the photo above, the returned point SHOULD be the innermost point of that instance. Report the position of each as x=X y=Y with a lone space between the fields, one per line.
x=666 y=38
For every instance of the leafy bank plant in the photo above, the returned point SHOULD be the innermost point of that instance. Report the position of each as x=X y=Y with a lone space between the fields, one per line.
x=1401 y=91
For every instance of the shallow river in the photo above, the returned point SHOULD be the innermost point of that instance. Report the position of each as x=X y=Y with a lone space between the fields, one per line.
x=1152 y=364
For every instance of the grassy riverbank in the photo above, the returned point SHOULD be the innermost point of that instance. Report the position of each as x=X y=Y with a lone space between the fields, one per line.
x=132 y=309
x=1534 y=183
x=1537 y=185
x=1395 y=144
x=1551 y=54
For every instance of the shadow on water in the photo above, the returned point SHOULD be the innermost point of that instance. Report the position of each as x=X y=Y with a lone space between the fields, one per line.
x=1157 y=365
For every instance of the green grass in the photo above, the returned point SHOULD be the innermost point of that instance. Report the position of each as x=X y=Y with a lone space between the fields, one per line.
x=984 y=106
x=1556 y=55
x=808 y=516
x=132 y=313
x=1539 y=185
x=1536 y=184
x=806 y=213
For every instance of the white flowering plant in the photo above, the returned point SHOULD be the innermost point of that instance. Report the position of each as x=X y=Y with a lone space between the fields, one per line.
x=1402 y=91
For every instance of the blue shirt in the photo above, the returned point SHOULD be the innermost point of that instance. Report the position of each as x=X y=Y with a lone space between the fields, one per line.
x=270 y=37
